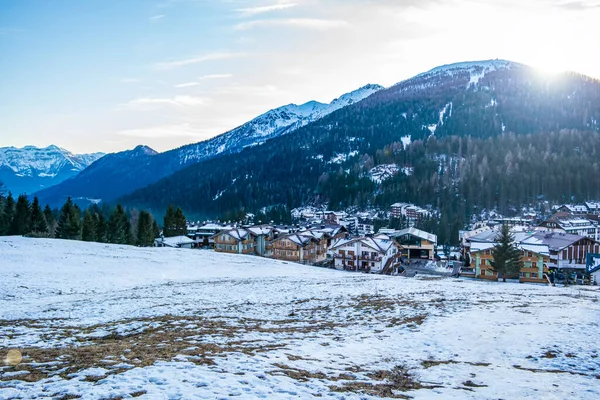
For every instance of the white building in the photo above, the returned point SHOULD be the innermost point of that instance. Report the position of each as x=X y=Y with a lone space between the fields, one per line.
x=374 y=255
x=180 y=242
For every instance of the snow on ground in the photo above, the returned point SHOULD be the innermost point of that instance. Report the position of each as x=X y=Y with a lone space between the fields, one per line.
x=102 y=321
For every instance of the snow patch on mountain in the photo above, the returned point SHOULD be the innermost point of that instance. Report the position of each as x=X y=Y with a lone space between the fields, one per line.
x=341 y=157
x=383 y=172
x=273 y=123
x=43 y=162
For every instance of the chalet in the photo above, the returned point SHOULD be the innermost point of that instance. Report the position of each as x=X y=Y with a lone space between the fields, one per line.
x=573 y=225
x=262 y=235
x=331 y=232
x=366 y=254
x=203 y=235
x=415 y=243
x=534 y=262
x=567 y=252
x=303 y=247
x=179 y=242
x=575 y=209
x=235 y=241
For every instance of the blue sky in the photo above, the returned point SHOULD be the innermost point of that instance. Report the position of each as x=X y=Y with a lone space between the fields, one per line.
x=108 y=75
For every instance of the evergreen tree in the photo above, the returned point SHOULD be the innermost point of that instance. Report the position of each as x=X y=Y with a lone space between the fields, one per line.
x=88 y=231
x=101 y=228
x=119 y=227
x=169 y=222
x=50 y=220
x=507 y=257
x=69 y=225
x=179 y=223
x=37 y=222
x=145 y=233
x=20 y=224
x=8 y=214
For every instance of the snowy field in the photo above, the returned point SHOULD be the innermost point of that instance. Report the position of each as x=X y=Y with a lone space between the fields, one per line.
x=95 y=321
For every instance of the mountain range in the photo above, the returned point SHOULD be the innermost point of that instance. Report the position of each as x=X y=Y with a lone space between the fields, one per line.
x=120 y=173
x=474 y=123
x=462 y=137
x=29 y=169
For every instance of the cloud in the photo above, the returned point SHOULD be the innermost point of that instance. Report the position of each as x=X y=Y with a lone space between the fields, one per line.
x=187 y=84
x=179 y=101
x=156 y=17
x=308 y=23
x=579 y=5
x=252 y=11
x=130 y=80
x=197 y=60
x=202 y=78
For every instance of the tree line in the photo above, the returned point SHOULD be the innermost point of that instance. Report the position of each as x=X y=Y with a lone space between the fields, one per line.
x=102 y=224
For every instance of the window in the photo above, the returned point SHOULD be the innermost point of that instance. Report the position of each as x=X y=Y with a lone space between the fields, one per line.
x=533 y=265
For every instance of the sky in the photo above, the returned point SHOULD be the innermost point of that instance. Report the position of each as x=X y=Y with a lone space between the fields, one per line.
x=107 y=75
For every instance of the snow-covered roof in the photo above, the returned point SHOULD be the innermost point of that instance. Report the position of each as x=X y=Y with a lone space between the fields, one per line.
x=239 y=234
x=554 y=240
x=417 y=233
x=377 y=244
x=176 y=241
x=264 y=230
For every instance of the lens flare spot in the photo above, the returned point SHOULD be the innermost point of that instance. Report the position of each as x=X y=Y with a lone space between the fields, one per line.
x=14 y=357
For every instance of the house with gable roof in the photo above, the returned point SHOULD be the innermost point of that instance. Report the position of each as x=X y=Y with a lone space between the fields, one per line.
x=305 y=247
x=234 y=241
x=366 y=254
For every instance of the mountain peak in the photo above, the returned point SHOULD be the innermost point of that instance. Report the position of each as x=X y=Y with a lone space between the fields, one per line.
x=143 y=149
x=30 y=168
x=484 y=66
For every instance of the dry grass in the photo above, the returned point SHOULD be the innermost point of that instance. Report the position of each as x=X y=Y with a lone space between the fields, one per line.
x=394 y=384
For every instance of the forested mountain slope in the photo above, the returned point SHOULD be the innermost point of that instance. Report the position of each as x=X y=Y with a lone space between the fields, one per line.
x=484 y=134
x=124 y=172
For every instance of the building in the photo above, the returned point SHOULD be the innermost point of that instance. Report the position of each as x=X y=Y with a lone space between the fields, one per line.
x=365 y=227
x=178 y=242
x=262 y=235
x=546 y=250
x=203 y=235
x=415 y=243
x=534 y=262
x=410 y=212
x=235 y=241
x=573 y=225
x=567 y=252
x=575 y=209
x=303 y=247
x=366 y=254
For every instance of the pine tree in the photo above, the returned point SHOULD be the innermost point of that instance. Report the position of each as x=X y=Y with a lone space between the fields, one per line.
x=119 y=228
x=20 y=224
x=101 y=228
x=8 y=213
x=50 y=220
x=179 y=223
x=169 y=222
x=37 y=222
x=88 y=231
x=506 y=256
x=69 y=226
x=145 y=234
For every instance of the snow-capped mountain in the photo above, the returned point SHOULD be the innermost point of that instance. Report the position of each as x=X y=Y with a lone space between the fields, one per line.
x=28 y=169
x=273 y=123
x=121 y=173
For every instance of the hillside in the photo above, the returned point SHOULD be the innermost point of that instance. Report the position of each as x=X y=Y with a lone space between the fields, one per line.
x=468 y=125
x=198 y=324
x=124 y=172
x=29 y=169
